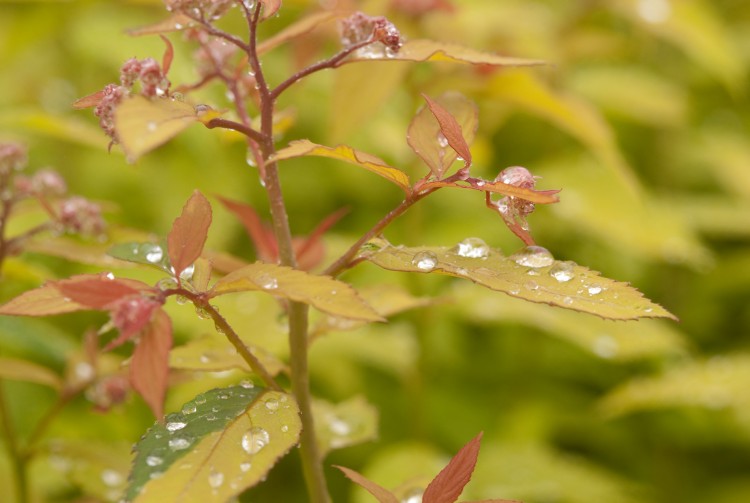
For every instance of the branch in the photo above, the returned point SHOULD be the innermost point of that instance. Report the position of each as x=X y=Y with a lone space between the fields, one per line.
x=236 y=126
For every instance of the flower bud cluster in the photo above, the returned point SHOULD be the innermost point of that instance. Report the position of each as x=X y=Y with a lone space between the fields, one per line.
x=81 y=216
x=359 y=28
x=201 y=9
x=45 y=182
x=12 y=158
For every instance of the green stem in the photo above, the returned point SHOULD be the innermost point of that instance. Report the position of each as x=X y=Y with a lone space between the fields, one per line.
x=16 y=456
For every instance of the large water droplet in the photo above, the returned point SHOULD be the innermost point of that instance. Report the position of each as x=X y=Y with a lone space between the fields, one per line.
x=247 y=384
x=189 y=408
x=178 y=444
x=154 y=460
x=562 y=271
x=267 y=282
x=533 y=256
x=254 y=440
x=176 y=425
x=472 y=248
x=215 y=479
x=425 y=261
x=595 y=290
x=413 y=496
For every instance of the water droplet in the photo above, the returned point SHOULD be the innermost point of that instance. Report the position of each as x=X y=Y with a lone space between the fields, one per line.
x=533 y=256
x=648 y=310
x=606 y=346
x=110 y=276
x=178 y=444
x=189 y=408
x=202 y=313
x=151 y=126
x=442 y=140
x=215 y=479
x=167 y=284
x=154 y=461
x=250 y=159
x=413 y=496
x=211 y=417
x=176 y=425
x=155 y=475
x=112 y=478
x=187 y=273
x=531 y=285
x=267 y=282
x=472 y=248
x=245 y=467
x=247 y=384
x=595 y=290
x=272 y=404
x=426 y=260
x=254 y=440
x=200 y=399
x=284 y=428
x=562 y=271
x=567 y=300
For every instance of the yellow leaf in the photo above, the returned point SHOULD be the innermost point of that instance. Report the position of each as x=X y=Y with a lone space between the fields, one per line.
x=22 y=370
x=344 y=424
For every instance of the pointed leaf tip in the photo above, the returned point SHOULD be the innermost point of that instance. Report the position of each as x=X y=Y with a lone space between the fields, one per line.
x=149 y=366
x=451 y=129
x=448 y=485
x=382 y=494
x=189 y=232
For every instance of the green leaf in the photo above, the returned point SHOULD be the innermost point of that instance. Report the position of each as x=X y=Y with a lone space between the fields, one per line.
x=344 y=424
x=543 y=279
x=150 y=254
x=424 y=135
x=322 y=292
x=23 y=370
x=222 y=442
x=430 y=50
x=142 y=124
x=718 y=383
x=299 y=148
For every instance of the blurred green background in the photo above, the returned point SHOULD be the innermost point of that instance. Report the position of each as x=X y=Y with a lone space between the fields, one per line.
x=641 y=118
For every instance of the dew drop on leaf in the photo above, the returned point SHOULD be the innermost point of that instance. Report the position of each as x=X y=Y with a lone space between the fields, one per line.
x=245 y=467
x=272 y=404
x=189 y=408
x=200 y=399
x=425 y=261
x=254 y=440
x=176 y=425
x=472 y=248
x=215 y=479
x=533 y=256
x=154 y=254
x=562 y=271
x=178 y=444
x=267 y=282
x=595 y=290
x=154 y=461
x=247 y=384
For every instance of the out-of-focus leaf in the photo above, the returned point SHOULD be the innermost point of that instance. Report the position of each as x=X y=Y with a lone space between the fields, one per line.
x=615 y=341
x=270 y=7
x=175 y=22
x=299 y=148
x=72 y=129
x=448 y=485
x=43 y=301
x=426 y=138
x=694 y=27
x=727 y=152
x=97 y=291
x=430 y=50
x=212 y=354
x=189 y=232
x=640 y=225
x=143 y=124
x=294 y=30
x=576 y=117
x=222 y=443
x=73 y=250
x=24 y=370
x=634 y=93
x=349 y=112
x=718 y=383
x=322 y=292
x=150 y=254
x=201 y=274
x=535 y=196
x=381 y=494
x=149 y=366
x=715 y=216
x=344 y=424
x=562 y=284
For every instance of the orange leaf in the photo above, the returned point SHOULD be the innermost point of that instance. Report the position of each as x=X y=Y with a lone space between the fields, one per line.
x=263 y=238
x=89 y=101
x=447 y=486
x=43 y=301
x=381 y=494
x=149 y=367
x=166 y=60
x=451 y=129
x=270 y=7
x=96 y=291
x=189 y=232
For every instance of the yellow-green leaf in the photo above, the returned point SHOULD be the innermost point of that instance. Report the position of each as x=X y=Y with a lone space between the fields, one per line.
x=143 y=124
x=175 y=22
x=294 y=30
x=217 y=447
x=532 y=275
x=344 y=424
x=212 y=354
x=24 y=370
x=322 y=292
x=300 y=148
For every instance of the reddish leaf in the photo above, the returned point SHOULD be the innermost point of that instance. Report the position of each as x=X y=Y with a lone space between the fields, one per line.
x=447 y=486
x=89 y=101
x=96 y=291
x=451 y=129
x=381 y=494
x=149 y=366
x=310 y=250
x=270 y=7
x=189 y=232
x=493 y=501
x=263 y=238
x=131 y=315
x=166 y=60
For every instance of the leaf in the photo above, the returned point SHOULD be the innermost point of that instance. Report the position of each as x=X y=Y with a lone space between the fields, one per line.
x=430 y=50
x=143 y=124
x=168 y=56
x=24 y=370
x=299 y=148
x=322 y=292
x=214 y=354
x=535 y=196
x=381 y=494
x=294 y=30
x=344 y=424
x=149 y=366
x=451 y=129
x=718 y=383
x=90 y=100
x=189 y=232
x=175 y=22
x=43 y=301
x=263 y=238
x=72 y=250
x=424 y=135
x=223 y=442
x=150 y=254
x=97 y=291
x=448 y=485
x=561 y=284
x=270 y=7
